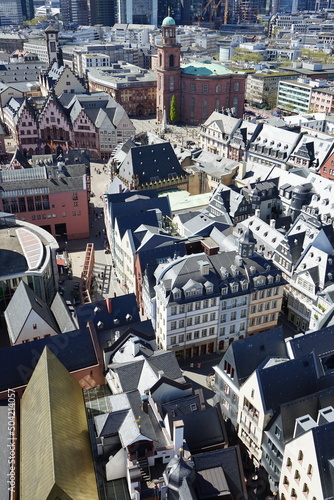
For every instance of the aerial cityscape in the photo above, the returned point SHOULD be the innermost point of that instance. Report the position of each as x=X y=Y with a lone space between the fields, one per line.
x=166 y=250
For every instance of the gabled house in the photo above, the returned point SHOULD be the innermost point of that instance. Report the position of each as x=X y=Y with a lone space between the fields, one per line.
x=230 y=203
x=216 y=132
x=54 y=125
x=20 y=118
x=308 y=458
x=236 y=367
x=29 y=318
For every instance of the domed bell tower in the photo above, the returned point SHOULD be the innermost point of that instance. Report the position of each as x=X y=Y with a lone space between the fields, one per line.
x=169 y=70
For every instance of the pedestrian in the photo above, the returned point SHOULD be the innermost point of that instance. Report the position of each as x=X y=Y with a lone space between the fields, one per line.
x=102 y=275
x=100 y=287
x=99 y=275
x=198 y=366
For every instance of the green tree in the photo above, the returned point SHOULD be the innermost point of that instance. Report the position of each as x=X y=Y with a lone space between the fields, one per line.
x=173 y=110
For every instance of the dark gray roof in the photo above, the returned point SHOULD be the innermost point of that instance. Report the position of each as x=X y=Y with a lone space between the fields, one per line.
x=247 y=354
x=74 y=350
x=323 y=442
x=151 y=162
x=23 y=302
x=160 y=361
x=203 y=429
x=229 y=459
x=309 y=405
x=124 y=312
x=62 y=315
x=71 y=179
x=286 y=381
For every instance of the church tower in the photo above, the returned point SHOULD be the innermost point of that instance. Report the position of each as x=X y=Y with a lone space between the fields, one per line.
x=168 y=70
x=54 y=51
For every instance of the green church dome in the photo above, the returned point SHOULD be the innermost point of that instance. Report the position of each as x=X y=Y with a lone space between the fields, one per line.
x=168 y=21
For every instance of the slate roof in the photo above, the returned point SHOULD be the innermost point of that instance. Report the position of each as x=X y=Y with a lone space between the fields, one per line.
x=229 y=459
x=156 y=161
x=308 y=405
x=247 y=354
x=20 y=158
x=97 y=312
x=74 y=350
x=125 y=204
x=23 y=302
x=323 y=437
x=287 y=380
x=62 y=315
x=130 y=373
x=124 y=418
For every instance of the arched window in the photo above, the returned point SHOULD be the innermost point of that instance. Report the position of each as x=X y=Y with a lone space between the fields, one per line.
x=205 y=88
x=217 y=103
x=171 y=83
x=218 y=89
x=235 y=102
x=183 y=86
x=160 y=60
x=171 y=61
x=236 y=87
x=192 y=87
x=192 y=107
x=204 y=108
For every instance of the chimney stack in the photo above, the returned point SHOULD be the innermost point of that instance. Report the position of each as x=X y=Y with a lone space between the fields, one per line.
x=109 y=305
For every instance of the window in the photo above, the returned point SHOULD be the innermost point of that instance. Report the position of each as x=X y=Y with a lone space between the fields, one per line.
x=173 y=340
x=189 y=321
x=197 y=305
x=305 y=489
x=34 y=326
x=204 y=332
x=205 y=303
x=171 y=83
x=309 y=470
x=205 y=88
x=189 y=307
x=181 y=309
x=171 y=60
x=278 y=432
x=181 y=323
x=236 y=87
x=205 y=318
x=222 y=331
x=173 y=325
x=181 y=339
x=196 y=334
x=212 y=316
x=288 y=462
x=173 y=310
x=189 y=336
x=218 y=89
x=297 y=475
x=197 y=320
x=212 y=330
x=232 y=329
x=300 y=456
x=233 y=315
x=213 y=302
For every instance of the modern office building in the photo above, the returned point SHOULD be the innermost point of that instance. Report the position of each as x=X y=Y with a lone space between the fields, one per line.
x=11 y=13
x=75 y=12
x=137 y=11
x=102 y=12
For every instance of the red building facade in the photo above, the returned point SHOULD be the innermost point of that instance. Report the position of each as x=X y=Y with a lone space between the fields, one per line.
x=199 y=88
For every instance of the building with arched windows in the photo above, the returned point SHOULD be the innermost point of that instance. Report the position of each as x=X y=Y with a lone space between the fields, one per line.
x=199 y=87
